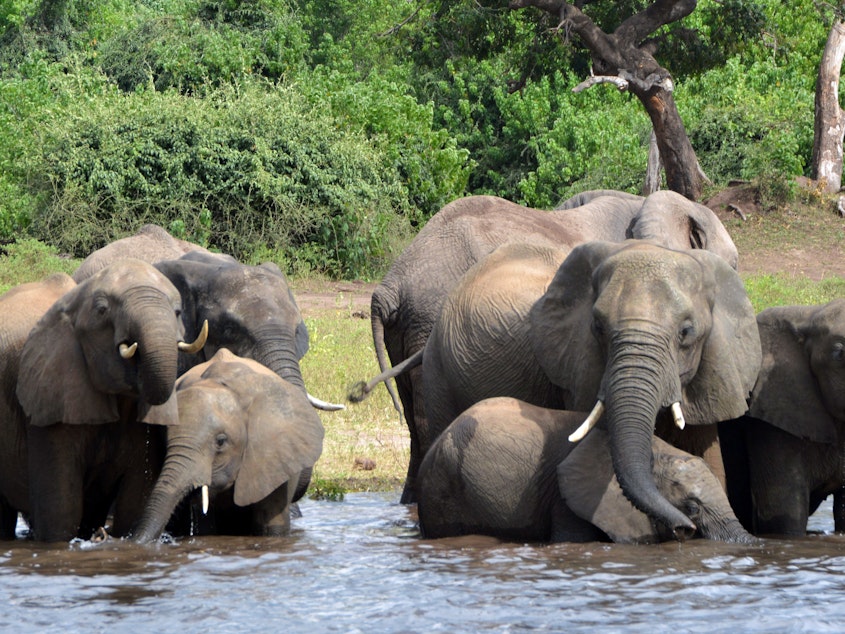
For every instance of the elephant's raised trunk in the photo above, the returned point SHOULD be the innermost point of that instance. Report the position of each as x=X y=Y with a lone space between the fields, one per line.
x=156 y=351
x=640 y=375
x=179 y=477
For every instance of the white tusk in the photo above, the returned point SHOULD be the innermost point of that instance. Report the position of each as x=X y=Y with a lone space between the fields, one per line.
x=678 y=415
x=324 y=405
x=588 y=424
x=205 y=499
x=127 y=352
x=198 y=343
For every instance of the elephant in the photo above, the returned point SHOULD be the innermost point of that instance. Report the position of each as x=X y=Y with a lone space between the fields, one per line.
x=405 y=305
x=245 y=435
x=21 y=307
x=506 y=468
x=100 y=360
x=250 y=310
x=151 y=244
x=653 y=335
x=787 y=453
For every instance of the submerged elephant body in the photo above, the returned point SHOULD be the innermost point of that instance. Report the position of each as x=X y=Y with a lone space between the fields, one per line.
x=506 y=468
x=795 y=423
x=636 y=326
x=406 y=304
x=246 y=435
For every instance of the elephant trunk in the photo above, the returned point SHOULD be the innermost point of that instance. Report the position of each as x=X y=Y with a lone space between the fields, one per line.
x=157 y=350
x=179 y=476
x=636 y=383
x=279 y=354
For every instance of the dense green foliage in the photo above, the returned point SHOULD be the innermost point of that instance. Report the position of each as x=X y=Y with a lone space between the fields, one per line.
x=322 y=133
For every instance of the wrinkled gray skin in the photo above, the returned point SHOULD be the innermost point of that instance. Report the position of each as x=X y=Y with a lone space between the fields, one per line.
x=20 y=309
x=151 y=244
x=244 y=433
x=788 y=453
x=84 y=403
x=250 y=310
x=407 y=302
x=633 y=324
x=506 y=468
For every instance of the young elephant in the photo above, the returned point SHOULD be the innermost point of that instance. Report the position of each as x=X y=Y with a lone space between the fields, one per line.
x=788 y=453
x=245 y=436
x=506 y=468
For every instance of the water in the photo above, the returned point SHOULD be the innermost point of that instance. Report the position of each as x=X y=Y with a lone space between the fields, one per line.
x=359 y=566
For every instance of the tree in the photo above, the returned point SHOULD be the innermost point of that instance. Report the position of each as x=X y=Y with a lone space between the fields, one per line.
x=829 y=123
x=625 y=57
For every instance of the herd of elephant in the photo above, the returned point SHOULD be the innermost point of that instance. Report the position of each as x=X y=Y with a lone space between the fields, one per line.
x=596 y=372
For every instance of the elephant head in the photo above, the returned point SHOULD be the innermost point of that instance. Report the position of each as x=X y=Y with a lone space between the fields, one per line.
x=641 y=328
x=241 y=427
x=590 y=490
x=670 y=219
x=801 y=387
x=250 y=310
x=114 y=335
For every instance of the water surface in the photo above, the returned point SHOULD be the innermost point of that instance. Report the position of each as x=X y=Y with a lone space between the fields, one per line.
x=359 y=566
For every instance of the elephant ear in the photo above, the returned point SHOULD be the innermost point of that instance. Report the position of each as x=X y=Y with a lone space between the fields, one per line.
x=589 y=488
x=284 y=436
x=786 y=394
x=731 y=356
x=560 y=326
x=53 y=382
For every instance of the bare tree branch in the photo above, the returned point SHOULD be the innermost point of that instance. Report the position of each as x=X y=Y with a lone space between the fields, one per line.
x=654 y=16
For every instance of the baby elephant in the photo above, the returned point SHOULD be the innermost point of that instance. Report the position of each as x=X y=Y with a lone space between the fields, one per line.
x=245 y=436
x=507 y=468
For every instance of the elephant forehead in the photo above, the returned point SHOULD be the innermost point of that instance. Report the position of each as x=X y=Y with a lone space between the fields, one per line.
x=257 y=293
x=206 y=401
x=126 y=274
x=652 y=269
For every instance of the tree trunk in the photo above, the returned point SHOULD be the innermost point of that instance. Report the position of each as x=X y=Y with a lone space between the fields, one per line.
x=829 y=126
x=623 y=56
x=652 y=172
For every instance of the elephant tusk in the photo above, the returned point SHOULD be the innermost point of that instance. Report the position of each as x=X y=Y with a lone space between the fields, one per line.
x=317 y=403
x=205 y=499
x=198 y=343
x=588 y=424
x=678 y=415
x=127 y=352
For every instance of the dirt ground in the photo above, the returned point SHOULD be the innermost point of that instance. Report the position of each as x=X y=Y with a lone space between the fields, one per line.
x=818 y=257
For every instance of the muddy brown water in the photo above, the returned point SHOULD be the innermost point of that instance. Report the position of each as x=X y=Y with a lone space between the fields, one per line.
x=360 y=566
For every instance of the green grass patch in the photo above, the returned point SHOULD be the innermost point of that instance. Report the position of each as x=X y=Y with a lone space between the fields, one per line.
x=366 y=446
x=780 y=289
x=28 y=260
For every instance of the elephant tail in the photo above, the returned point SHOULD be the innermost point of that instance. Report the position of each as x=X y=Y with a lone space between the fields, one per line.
x=359 y=391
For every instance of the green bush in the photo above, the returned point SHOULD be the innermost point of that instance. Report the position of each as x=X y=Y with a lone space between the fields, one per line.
x=266 y=168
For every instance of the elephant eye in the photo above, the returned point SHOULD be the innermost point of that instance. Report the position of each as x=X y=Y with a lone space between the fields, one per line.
x=597 y=328
x=687 y=334
x=837 y=353
x=692 y=508
x=220 y=441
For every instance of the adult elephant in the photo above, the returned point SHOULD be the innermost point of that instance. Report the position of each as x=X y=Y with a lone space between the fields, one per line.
x=20 y=309
x=150 y=243
x=250 y=310
x=641 y=329
x=505 y=468
x=100 y=361
x=245 y=436
x=407 y=302
x=788 y=453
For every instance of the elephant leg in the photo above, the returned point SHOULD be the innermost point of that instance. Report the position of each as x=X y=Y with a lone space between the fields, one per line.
x=271 y=516
x=733 y=442
x=142 y=448
x=411 y=394
x=778 y=481
x=839 y=510
x=8 y=521
x=55 y=483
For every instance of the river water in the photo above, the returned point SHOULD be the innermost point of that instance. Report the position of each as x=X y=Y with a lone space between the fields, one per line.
x=360 y=566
